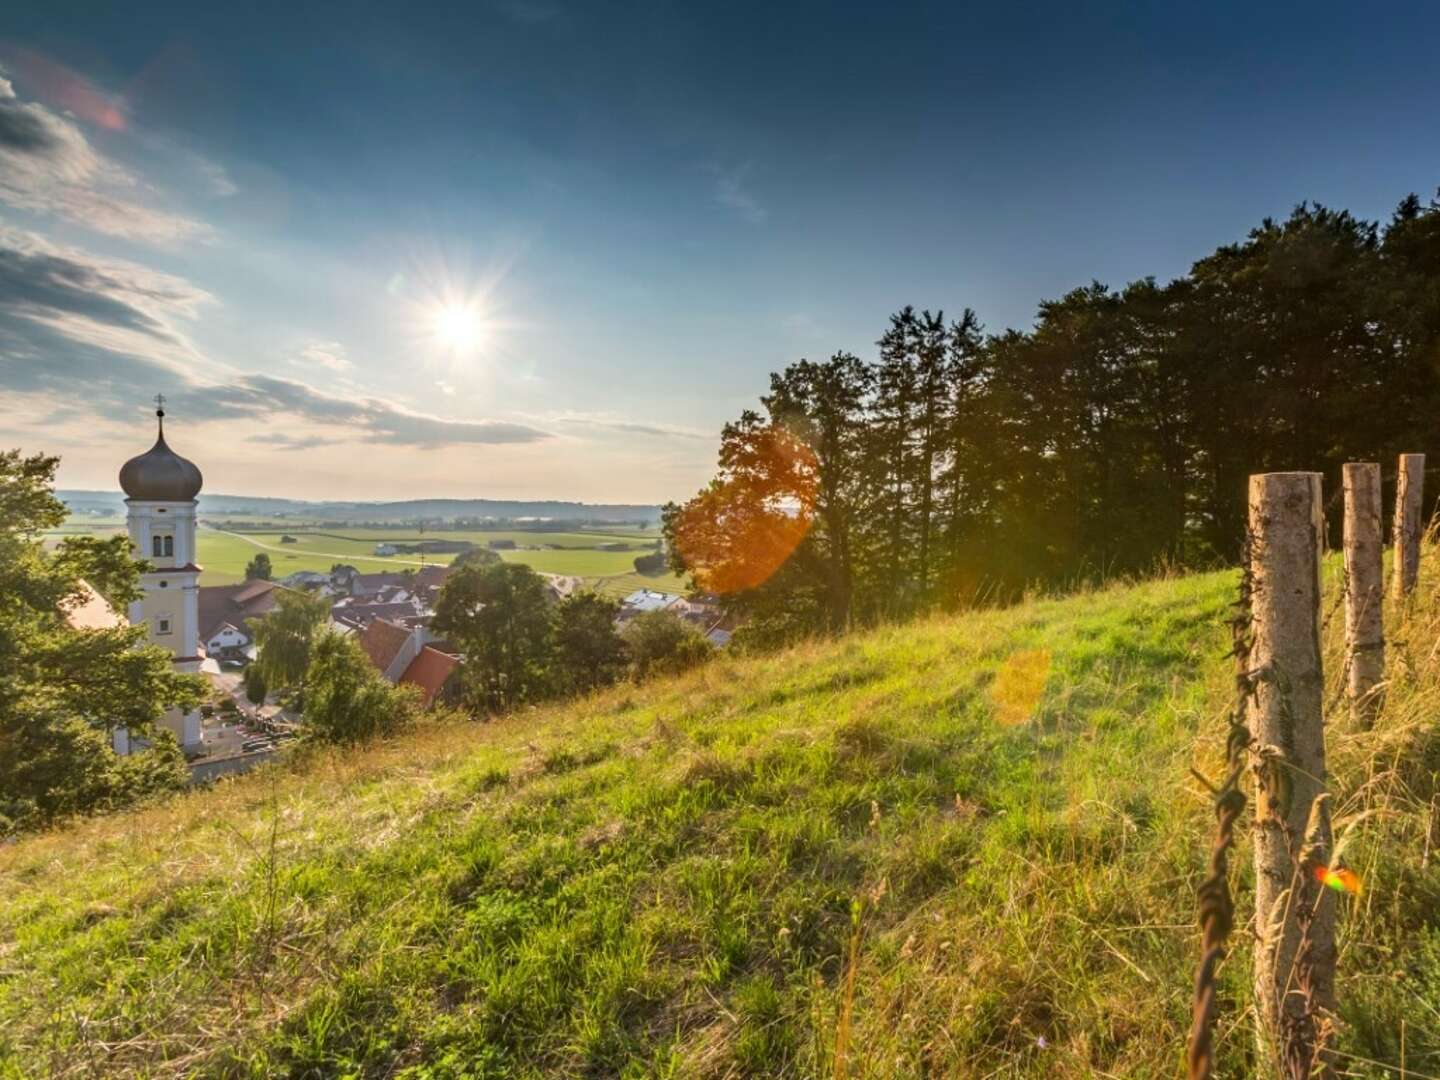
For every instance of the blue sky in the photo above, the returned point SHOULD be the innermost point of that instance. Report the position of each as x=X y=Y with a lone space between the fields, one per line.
x=263 y=210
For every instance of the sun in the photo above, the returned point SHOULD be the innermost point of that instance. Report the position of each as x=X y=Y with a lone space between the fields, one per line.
x=458 y=327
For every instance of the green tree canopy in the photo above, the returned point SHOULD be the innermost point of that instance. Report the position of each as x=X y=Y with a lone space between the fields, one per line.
x=1113 y=435
x=347 y=700
x=63 y=690
x=283 y=637
x=259 y=568
x=475 y=556
x=499 y=616
x=589 y=652
x=662 y=643
x=255 y=688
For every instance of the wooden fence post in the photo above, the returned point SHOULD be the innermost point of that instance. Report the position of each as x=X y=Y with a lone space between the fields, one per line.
x=1364 y=588
x=1291 y=985
x=1409 y=496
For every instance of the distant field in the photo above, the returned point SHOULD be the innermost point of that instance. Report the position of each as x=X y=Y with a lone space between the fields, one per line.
x=623 y=584
x=224 y=555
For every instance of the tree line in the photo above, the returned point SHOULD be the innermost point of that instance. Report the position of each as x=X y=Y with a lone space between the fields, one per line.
x=1113 y=436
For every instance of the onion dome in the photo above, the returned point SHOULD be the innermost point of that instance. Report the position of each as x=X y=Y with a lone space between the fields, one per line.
x=160 y=474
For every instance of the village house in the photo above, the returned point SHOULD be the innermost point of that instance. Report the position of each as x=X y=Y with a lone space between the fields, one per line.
x=225 y=612
x=371 y=584
x=306 y=579
x=405 y=656
x=702 y=613
x=406 y=599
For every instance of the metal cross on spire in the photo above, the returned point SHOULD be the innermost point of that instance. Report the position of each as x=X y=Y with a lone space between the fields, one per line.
x=160 y=404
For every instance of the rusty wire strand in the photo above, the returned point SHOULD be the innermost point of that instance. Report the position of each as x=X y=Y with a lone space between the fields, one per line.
x=1216 y=908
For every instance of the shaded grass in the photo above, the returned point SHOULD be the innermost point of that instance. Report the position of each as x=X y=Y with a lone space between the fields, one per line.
x=661 y=881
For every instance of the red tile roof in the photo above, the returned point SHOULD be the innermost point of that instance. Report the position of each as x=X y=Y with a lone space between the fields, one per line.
x=430 y=670
x=382 y=641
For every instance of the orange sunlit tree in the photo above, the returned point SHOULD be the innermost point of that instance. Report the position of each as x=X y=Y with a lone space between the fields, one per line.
x=738 y=532
x=778 y=532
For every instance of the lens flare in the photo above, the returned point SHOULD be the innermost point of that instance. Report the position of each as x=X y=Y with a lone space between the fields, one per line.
x=1019 y=686
x=1341 y=879
x=737 y=533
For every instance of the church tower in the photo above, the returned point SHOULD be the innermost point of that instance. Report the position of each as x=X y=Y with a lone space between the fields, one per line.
x=160 y=488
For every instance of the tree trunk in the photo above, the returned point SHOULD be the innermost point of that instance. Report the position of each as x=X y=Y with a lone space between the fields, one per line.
x=1285 y=716
x=1409 y=493
x=1364 y=589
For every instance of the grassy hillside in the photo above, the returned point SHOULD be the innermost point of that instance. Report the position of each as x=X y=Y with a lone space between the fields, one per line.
x=983 y=826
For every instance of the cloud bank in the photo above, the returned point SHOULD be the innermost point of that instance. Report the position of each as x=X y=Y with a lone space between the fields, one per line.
x=108 y=333
x=49 y=167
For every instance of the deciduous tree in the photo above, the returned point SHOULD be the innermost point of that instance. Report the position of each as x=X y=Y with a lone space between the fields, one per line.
x=63 y=690
x=499 y=616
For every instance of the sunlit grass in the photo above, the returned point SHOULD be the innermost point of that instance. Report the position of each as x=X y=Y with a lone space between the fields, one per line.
x=660 y=880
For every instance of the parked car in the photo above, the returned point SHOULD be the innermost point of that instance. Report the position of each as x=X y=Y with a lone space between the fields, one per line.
x=251 y=746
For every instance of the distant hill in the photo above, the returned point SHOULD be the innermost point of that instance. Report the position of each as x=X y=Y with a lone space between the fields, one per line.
x=113 y=502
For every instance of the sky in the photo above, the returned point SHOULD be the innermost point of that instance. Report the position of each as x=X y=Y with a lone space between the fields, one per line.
x=546 y=248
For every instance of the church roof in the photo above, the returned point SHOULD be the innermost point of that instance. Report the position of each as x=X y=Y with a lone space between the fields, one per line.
x=160 y=474
x=91 y=611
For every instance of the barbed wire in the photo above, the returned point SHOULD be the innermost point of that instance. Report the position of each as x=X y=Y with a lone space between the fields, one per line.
x=1216 y=909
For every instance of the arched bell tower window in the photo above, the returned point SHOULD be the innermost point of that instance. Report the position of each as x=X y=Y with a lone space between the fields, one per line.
x=162 y=545
x=169 y=545
x=155 y=548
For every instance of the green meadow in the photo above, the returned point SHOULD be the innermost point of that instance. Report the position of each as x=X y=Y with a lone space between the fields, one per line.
x=965 y=847
x=224 y=554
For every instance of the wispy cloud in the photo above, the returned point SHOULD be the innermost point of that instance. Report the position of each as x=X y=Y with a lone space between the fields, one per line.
x=732 y=191
x=104 y=334
x=48 y=166
x=279 y=440
x=218 y=180
x=326 y=354
x=629 y=427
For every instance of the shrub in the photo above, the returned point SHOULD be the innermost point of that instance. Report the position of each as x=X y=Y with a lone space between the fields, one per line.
x=662 y=643
x=652 y=564
x=255 y=688
x=347 y=700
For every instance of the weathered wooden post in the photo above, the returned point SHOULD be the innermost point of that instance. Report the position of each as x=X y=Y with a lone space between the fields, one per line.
x=1364 y=588
x=1287 y=527
x=1409 y=495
